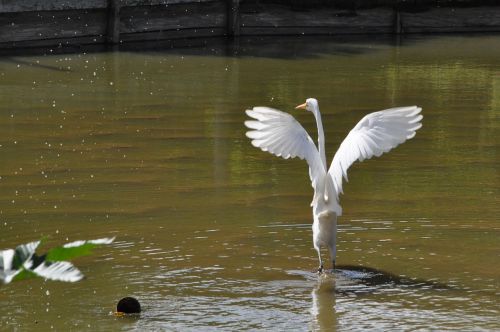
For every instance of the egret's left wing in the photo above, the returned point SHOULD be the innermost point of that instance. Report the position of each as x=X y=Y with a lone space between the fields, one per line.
x=375 y=134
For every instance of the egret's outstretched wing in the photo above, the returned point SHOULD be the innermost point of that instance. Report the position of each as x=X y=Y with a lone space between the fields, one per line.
x=280 y=134
x=375 y=134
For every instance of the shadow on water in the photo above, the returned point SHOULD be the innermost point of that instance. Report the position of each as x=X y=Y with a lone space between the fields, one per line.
x=281 y=47
x=19 y=62
x=278 y=47
x=351 y=278
x=274 y=47
x=374 y=277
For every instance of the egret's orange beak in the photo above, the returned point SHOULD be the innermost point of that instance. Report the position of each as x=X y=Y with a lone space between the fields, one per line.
x=302 y=106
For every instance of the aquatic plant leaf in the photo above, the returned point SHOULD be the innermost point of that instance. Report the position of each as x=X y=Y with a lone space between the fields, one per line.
x=63 y=254
x=6 y=258
x=23 y=253
x=15 y=261
x=6 y=271
x=23 y=263
x=8 y=276
x=22 y=274
x=62 y=271
x=75 y=249
x=105 y=240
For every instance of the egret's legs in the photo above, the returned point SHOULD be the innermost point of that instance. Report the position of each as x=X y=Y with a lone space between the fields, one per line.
x=320 y=268
x=333 y=250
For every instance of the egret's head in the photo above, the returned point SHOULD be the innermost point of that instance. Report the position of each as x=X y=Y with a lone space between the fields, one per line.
x=310 y=105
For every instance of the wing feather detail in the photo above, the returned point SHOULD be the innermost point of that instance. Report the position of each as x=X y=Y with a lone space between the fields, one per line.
x=280 y=134
x=375 y=134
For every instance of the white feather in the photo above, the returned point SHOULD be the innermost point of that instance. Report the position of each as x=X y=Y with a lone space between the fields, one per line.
x=280 y=134
x=375 y=134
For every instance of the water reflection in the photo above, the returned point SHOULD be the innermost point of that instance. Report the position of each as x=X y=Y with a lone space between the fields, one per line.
x=349 y=283
x=324 y=317
x=376 y=299
x=289 y=47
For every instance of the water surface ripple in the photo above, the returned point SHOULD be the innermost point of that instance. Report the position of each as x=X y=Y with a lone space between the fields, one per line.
x=148 y=145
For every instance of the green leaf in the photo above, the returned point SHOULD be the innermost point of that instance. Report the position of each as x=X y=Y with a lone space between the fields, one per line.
x=75 y=249
x=24 y=274
x=23 y=263
x=23 y=254
x=63 y=254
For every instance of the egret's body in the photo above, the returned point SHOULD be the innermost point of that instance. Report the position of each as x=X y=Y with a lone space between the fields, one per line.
x=280 y=134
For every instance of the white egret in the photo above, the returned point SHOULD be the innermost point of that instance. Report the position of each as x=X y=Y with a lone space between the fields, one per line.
x=280 y=134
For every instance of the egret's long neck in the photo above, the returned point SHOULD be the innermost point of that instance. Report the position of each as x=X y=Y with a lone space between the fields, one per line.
x=321 y=136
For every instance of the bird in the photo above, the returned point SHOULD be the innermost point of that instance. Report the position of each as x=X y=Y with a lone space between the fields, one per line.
x=280 y=134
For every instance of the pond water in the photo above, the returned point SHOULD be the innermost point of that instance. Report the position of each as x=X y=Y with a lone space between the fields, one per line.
x=148 y=145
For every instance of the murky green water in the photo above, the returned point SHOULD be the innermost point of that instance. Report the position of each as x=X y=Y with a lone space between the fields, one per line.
x=149 y=147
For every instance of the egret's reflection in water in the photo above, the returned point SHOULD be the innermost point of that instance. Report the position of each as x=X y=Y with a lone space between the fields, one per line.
x=323 y=313
x=382 y=300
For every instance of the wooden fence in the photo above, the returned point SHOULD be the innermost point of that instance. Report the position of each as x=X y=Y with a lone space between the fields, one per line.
x=52 y=22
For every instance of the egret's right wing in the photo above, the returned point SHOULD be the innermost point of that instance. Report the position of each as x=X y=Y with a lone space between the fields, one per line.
x=280 y=134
